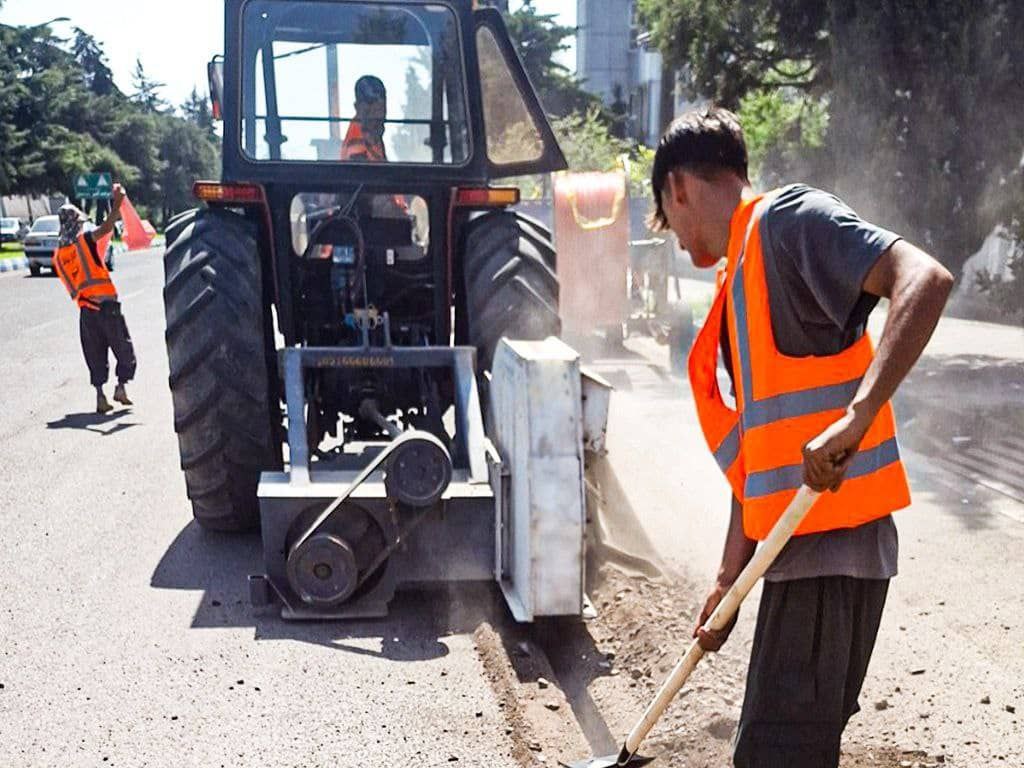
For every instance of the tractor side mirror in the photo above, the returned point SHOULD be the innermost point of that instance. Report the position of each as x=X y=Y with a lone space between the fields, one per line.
x=215 y=73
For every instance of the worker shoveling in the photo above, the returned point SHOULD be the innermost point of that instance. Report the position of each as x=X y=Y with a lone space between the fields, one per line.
x=722 y=616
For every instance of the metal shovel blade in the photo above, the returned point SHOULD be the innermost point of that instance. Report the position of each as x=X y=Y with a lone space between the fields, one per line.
x=611 y=761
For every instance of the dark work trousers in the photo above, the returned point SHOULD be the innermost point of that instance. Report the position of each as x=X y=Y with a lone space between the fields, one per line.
x=102 y=329
x=811 y=649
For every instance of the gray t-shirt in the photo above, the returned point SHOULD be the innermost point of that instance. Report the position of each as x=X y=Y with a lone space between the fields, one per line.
x=817 y=253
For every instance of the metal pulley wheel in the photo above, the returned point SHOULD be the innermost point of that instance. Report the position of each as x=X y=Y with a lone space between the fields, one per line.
x=418 y=472
x=326 y=568
x=322 y=569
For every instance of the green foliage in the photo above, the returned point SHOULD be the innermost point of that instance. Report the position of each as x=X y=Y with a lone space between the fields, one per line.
x=589 y=145
x=640 y=165
x=729 y=49
x=197 y=111
x=147 y=91
x=188 y=154
x=783 y=127
x=61 y=114
x=88 y=54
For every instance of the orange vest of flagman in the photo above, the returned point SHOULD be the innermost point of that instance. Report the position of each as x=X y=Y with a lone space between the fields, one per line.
x=87 y=281
x=784 y=402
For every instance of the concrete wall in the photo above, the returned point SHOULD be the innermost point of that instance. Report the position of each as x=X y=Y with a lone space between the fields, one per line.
x=27 y=208
x=602 y=46
x=608 y=57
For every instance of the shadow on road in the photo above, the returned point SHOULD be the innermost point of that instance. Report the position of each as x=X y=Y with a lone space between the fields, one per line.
x=94 y=422
x=218 y=565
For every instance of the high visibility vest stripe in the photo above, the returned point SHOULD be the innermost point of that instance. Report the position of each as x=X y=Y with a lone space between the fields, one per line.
x=729 y=449
x=757 y=413
x=739 y=299
x=83 y=257
x=801 y=403
x=64 y=278
x=790 y=477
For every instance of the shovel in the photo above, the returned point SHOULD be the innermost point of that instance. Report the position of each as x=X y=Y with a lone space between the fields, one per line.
x=723 y=614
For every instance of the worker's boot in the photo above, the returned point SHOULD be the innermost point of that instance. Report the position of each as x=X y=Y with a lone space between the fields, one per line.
x=102 y=404
x=121 y=395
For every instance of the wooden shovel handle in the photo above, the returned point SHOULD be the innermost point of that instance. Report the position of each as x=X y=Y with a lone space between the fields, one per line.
x=725 y=611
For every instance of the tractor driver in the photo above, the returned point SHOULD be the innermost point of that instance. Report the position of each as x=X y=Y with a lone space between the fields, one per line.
x=365 y=137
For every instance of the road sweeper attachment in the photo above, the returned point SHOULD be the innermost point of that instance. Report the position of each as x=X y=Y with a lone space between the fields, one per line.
x=342 y=534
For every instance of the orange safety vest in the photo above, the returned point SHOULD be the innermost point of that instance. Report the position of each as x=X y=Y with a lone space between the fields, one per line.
x=783 y=402
x=356 y=145
x=87 y=281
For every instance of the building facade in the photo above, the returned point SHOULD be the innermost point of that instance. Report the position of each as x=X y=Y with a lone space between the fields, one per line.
x=616 y=61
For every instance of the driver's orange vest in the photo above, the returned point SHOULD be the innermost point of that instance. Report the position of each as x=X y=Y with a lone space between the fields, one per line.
x=356 y=146
x=783 y=402
x=87 y=281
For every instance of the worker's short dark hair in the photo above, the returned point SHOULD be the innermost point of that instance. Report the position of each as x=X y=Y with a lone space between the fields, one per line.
x=370 y=89
x=705 y=142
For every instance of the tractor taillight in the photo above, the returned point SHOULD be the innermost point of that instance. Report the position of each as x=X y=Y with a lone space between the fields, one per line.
x=215 y=192
x=487 y=197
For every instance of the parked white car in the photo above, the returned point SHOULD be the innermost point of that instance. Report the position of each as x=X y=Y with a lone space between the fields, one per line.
x=12 y=230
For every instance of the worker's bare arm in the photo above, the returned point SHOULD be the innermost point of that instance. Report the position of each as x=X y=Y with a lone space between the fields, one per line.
x=113 y=217
x=917 y=287
x=737 y=553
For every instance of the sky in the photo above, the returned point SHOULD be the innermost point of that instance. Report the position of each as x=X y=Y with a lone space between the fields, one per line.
x=173 y=40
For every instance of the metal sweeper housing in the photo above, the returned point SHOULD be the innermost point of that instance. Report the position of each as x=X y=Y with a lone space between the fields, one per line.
x=340 y=539
x=339 y=310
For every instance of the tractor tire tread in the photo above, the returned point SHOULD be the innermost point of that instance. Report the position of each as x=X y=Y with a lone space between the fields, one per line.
x=511 y=290
x=218 y=368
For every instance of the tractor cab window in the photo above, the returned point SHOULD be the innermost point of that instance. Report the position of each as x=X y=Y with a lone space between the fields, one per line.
x=355 y=82
x=512 y=134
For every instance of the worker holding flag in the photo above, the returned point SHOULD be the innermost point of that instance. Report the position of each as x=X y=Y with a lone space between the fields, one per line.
x=79 y=263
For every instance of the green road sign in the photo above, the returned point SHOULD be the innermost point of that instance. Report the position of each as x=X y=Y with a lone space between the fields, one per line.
x=93 y=186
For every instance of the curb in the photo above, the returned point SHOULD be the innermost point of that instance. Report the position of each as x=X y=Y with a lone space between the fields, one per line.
x=13 y=264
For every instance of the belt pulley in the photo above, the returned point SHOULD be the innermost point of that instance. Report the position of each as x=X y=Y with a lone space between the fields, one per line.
x=324 y=561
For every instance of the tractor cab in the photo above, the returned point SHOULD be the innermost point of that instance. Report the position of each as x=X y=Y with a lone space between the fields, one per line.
x=301 y=70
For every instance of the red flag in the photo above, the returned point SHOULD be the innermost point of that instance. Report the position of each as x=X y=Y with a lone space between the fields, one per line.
x=135 y=235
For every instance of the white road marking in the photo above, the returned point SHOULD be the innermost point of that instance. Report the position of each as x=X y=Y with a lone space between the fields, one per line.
x=40 y=327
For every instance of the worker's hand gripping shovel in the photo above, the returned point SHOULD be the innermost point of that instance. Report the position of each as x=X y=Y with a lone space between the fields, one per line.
x=723 y=614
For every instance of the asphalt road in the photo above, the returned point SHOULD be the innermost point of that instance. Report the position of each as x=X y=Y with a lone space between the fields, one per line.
x=126 y=637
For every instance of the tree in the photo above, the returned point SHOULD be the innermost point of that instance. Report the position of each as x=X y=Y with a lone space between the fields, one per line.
x=88 y=54
x=727 y=49
x=186 y=154
x=539 y=39
x=18 y=156
x=147 y=92
x=197 y=111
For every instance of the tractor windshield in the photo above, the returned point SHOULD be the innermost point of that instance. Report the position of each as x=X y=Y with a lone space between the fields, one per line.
x=353 y=82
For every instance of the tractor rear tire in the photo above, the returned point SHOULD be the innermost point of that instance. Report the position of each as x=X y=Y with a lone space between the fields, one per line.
x=213 y=297
x=511 y=288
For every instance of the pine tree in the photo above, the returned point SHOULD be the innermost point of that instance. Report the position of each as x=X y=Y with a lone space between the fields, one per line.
x=147 y=92
x=89 y=55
